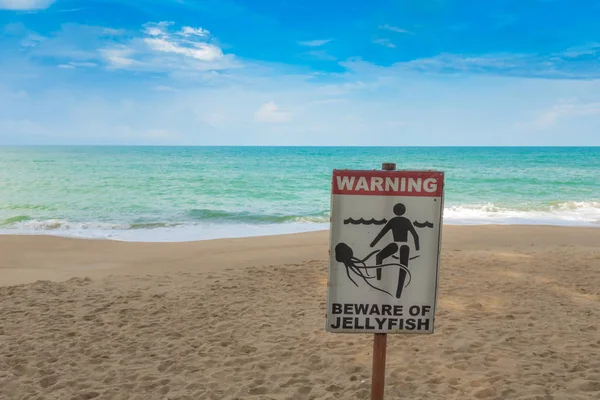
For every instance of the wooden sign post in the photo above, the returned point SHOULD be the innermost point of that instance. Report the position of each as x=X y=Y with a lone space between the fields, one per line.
x=379 y=344
x=378 y=372
x=385 y=240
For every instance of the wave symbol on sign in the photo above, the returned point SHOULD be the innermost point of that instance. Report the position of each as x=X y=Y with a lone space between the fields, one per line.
x=363 y=221
x=374 y=221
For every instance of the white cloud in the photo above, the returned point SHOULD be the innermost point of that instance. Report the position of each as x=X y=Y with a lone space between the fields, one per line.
x=166 y=50
x=588 y=49
x=73 y=42
x=189 y=31
x=74 y=65
x=395 y=29
x=269 y=112
x=161 y=29
x=32 y=40
x=200 y=51
x=385 y=42
x=501 y=64
x=83 y=64
x=192 y=53
x=25 y=4
x=118 y=57
x=157 y=28
x=466 y=63
x=314 y=43
x=113 y=31
x=70 y=10
x=156 y=47
x=551 y=117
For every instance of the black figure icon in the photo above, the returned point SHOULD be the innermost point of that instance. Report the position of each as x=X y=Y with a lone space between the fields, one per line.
x=345 y=255
x=400 y=226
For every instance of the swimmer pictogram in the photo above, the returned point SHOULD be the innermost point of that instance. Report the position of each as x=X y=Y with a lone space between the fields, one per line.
x=398 y=249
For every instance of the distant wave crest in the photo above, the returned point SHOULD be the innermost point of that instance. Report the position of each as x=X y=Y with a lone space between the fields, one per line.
x=203 y=214
x=188 y=218
x=578 y=213
x=30 y=224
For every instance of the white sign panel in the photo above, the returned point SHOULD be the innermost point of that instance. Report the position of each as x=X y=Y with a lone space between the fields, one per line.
x=384 y=251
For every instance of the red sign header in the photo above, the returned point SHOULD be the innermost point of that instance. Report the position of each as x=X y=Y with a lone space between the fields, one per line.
x=388 y=183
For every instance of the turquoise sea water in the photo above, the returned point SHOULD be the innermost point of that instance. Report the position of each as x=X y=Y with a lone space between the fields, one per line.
x=191 y=193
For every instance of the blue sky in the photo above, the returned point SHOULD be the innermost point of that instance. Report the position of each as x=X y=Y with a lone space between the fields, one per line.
x=220 y=72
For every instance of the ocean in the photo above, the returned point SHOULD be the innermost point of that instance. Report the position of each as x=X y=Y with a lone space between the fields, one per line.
x=195 y=193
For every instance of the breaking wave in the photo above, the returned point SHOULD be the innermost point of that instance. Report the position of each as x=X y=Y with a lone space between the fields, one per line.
x=576 y=213
x=197 y=224
x=200 y=224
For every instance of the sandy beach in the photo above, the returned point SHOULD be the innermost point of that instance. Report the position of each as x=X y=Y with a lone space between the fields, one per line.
x=518 y=318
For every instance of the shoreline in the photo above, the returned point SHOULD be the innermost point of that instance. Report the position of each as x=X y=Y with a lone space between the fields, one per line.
x=56 y=233
x=28 y=258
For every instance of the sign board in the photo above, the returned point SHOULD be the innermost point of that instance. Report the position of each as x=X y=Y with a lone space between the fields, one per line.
x=385 y=241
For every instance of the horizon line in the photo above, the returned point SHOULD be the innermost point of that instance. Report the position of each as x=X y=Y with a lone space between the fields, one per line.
x=295 y=146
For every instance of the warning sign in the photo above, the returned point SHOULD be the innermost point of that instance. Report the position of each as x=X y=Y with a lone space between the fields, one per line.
x=384 y=251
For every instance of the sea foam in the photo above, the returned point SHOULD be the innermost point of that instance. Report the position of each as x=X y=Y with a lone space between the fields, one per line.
x=562 y=214
x=567 y=213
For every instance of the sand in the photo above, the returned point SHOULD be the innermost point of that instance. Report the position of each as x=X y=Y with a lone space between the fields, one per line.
x=518 y=318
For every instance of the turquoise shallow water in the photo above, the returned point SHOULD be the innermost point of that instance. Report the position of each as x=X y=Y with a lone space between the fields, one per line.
x=190 y=193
